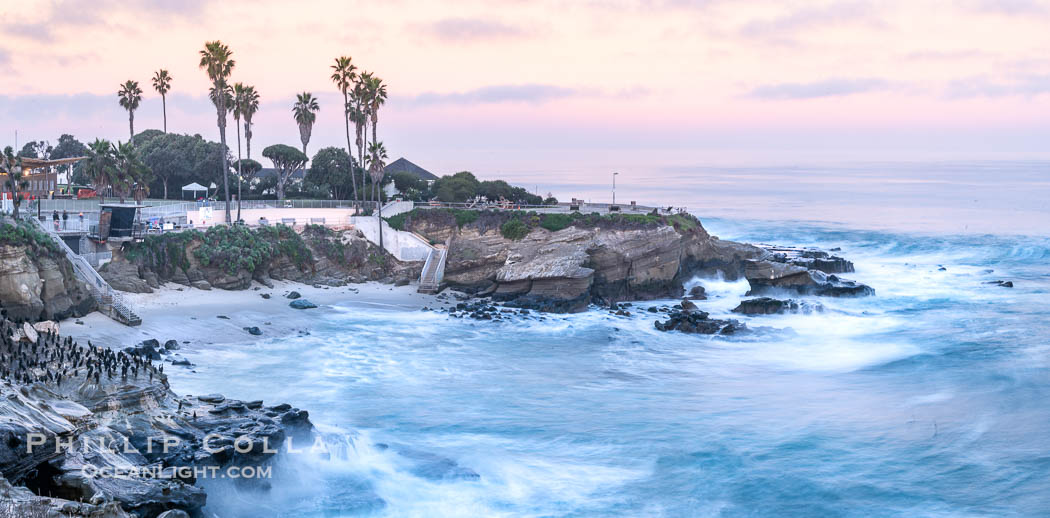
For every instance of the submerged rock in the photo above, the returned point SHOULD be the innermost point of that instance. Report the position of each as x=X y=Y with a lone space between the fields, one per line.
x=770 y=306
x=293 y=295
x=688 y=321
x=302 y=304
x=253 y=330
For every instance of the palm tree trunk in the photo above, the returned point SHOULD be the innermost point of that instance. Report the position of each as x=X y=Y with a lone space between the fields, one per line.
x=165 y=188
x=349 y=148
x=131 y=124
x=364 y=146
x=164 y=104
x=225 y=162
x=238 y=124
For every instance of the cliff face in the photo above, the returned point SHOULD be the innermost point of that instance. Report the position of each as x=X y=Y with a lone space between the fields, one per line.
x=40 y=285
x=597 y=260
x=231 y=260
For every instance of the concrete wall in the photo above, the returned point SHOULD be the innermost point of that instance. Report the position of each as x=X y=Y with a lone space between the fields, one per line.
x=332 y=217
x=405 y=246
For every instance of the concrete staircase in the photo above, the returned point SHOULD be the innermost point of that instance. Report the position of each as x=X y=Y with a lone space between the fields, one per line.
x=109 y=300
x=434 y=269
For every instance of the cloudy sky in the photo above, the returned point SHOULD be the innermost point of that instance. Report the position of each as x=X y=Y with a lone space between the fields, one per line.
x=514 y=86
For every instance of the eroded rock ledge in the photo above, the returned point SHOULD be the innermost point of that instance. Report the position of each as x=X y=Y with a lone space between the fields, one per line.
x=608 y=259
x=96 y=407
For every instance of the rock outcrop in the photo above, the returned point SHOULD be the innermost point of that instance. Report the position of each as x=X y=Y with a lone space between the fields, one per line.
x=811 y=259
x=771 y=277
x=595 y=260
x=101 y=432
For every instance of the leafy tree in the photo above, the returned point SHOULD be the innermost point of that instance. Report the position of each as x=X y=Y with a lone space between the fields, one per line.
x=35 y=149
x=130 y=95
x=286 y=160
x=180 y=159
x=457 y=188
x=68 y=147
x=305 y=112
x=217 y=60
x=11 y=165
x=344 y=74
x=162 y=84
x=262 y=188
x=248 y=169
x=331 y=168
x=411 y=185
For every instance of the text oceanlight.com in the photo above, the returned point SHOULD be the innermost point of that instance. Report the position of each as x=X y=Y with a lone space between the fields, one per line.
x=178 y=472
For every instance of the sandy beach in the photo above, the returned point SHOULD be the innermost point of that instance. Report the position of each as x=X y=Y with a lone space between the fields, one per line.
x=189 y=315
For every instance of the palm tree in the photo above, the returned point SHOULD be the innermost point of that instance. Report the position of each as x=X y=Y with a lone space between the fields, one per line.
x=130 y=96
x=376 y=98
x=376 y=163
x=305 y=110
x=343 y=75
x=162 y=84
x=360 y=118
x=216 y=59
x=239 y=91
x=100 y=165
x=249 y=106
x=128 y=174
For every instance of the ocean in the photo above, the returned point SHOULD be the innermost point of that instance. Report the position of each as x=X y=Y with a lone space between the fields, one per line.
x=926 y=400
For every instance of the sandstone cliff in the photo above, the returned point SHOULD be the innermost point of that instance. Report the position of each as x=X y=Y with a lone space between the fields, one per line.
x=36 y=280
x=592 y=259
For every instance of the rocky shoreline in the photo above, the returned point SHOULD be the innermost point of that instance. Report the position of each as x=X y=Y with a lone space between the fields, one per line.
x=85 y=395
x=101 y=432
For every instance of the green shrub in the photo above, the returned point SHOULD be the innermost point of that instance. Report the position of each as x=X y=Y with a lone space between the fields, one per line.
x=556 y=222
x=231 y=248
x=27 y=235
x=464 y=217
x=514 y=229
x=397 y=221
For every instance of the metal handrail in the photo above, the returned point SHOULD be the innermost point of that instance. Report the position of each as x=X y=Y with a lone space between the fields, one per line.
x=100 y=289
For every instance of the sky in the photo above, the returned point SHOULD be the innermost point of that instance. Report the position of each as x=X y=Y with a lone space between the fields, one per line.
x=523 y=88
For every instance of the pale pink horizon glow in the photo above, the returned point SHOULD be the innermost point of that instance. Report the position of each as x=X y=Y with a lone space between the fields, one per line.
x=498 y=84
